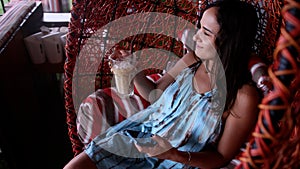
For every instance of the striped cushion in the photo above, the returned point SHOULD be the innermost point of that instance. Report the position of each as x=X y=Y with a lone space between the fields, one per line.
x=105 y=108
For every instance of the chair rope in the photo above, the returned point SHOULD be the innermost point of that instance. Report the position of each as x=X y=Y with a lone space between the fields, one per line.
x=276 y=141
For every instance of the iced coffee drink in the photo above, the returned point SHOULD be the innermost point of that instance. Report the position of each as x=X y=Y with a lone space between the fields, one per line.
x=124 y=70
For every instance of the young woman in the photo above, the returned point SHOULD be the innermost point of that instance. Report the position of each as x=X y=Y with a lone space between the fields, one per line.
x=203 y=109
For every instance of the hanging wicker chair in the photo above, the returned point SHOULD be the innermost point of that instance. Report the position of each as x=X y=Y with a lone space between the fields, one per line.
x=97 y=27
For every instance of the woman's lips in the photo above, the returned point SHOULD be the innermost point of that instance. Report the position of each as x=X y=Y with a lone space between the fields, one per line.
x=198 y=46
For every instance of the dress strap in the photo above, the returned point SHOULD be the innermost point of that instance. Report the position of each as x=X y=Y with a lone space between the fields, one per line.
x=195 y=66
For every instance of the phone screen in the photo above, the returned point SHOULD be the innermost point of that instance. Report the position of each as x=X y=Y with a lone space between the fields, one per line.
x=141 y=138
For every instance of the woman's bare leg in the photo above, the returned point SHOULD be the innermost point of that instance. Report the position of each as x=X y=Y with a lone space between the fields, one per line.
x=81 y=161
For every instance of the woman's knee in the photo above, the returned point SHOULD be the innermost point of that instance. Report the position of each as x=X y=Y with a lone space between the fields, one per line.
x=81 y=161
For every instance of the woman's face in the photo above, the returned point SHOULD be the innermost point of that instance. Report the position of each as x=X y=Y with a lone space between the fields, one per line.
x=206 y=35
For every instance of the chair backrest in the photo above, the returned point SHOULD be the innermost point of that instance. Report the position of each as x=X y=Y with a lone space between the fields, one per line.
x=98 y=26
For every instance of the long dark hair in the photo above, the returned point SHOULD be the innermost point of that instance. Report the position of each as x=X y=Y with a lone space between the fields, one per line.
x=235 y=42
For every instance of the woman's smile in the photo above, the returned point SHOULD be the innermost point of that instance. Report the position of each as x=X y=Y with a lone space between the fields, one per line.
x=206 y=35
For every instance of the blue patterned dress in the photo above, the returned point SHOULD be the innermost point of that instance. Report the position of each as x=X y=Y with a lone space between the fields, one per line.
x=181 y=115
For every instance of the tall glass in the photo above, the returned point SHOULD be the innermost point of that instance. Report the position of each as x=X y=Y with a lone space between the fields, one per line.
x=124 y=70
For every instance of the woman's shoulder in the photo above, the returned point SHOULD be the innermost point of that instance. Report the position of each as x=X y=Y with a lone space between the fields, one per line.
x=248 y=90
x=248 y=94
x=184 y=62
x=247 y=100
x=189 y=59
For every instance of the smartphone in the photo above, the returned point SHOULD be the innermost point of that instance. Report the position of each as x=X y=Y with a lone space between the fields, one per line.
x=141 y=138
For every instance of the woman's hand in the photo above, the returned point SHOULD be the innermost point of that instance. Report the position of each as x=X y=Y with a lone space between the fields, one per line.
x=119 y=54
x=162 y=150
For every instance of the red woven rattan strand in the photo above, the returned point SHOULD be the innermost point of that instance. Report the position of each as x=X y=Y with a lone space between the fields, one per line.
x=282 y=150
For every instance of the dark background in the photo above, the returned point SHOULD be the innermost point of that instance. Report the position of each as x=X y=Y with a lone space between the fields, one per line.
x=33 y=130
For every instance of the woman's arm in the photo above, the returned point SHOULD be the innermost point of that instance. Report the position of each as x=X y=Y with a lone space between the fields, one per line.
x=150 y=90
x=239 y=125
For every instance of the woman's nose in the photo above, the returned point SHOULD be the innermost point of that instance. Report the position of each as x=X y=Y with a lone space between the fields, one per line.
x=196 y=37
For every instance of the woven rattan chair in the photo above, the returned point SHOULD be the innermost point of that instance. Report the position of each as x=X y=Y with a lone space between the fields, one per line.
x=99 y=26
